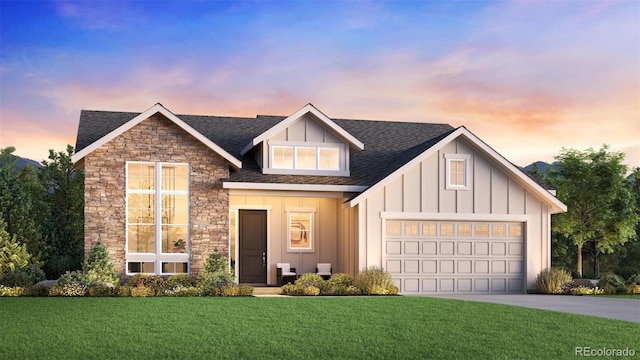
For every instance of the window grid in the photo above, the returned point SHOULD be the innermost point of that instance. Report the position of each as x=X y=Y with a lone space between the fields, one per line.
x=305 y=158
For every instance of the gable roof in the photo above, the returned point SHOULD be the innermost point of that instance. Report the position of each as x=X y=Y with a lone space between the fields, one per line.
x=85 y=146
x=307 y=109
x=388 y=145
x=417 y=154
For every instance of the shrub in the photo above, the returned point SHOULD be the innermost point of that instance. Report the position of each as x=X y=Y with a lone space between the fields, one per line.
x=156 y=283
x=55 y=290
x=551 y=280
x=632 y=289
x=311 y=290
x=215 y=273
x=98 y=266
x=12 y=254
x=633 y=280
x=183 y=280
x=291 y=289
x=23 y=276
x=101 y=289
x=245 y=290
x=375 y=281
x=567 y=288
x=74 y=289
x=611 y=283
x=583 y=290
x=180 y=290
x=229 y=290
x=11 y=290
x=340 y=284
x=122 y=290
x=141 y=291
x=70 y=277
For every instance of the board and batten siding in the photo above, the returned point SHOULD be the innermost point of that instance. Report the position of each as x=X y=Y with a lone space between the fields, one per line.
x=492 y=195
x=325 y=229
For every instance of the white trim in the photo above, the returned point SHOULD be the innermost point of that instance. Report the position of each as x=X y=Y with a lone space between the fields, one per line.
x=157 y=108
x=298 y=187
x=556 y=205
x=464 y=158
x=295 y=116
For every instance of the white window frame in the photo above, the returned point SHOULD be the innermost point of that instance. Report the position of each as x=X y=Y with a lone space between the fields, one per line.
x=309 y=211
x=466 y=159
x=157 y=257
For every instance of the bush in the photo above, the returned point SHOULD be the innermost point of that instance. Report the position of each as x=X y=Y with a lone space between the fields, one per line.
x=12 y=254
x=375 y=281
x=183 y=280
x=245 y=290
x=632 y=289
x=23 y=276
x=216 y=273
x=583 y=290
x=611 y=283
x=340 y=284
x=633 y=280
x=311 y=290
x=229 y=290
x=101 y=289
x=575 y=283
x=55 y=290
x=291 y=289
x=98 y=266
x=11 y=290
x=551 y=280
x=70 y=277
x=74 y=289
x=180 y=290
x=142 y=291
x=156 y=283
x=122 y=291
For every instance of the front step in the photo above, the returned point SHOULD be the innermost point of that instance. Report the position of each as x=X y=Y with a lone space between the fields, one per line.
x=266 y=291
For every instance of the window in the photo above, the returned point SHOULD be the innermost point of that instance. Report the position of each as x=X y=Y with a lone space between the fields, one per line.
x=457 y=171
x=157 y=218
x=300 y=231
x=283 y=157
x=464 y=230
x=305 y=158
x=429 y=229
x=329 y=159
x=497 y=230
x=446 y=230
x=393 y=228
x=482 y=230
x=515 y=230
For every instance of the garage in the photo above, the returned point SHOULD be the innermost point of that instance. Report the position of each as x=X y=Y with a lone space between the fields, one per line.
x=444 y=257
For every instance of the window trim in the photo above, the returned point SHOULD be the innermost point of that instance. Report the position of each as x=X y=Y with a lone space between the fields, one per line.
x=340 y=170
x=158 y=256
x=449 y=158
x=309 y=211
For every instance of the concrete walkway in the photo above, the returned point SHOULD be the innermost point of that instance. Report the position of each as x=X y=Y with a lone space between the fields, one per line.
x=605 y=307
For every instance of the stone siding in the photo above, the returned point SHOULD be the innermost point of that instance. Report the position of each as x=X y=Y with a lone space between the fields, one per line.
x=155 y=139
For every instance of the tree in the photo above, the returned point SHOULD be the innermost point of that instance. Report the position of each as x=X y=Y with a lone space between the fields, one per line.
x=601 y=207
x=22 y=203
x=65 y=225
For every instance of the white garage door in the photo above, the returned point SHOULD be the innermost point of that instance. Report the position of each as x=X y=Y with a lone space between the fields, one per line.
x=430 y=257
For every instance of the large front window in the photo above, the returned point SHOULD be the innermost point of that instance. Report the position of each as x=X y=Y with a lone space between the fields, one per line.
x=300 y=231
x=157 y=218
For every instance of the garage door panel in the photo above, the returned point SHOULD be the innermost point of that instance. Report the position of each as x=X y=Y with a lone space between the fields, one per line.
x=412 y=248
x=455 y=257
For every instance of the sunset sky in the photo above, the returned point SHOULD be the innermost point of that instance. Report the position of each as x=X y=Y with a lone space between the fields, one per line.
x=527 y=77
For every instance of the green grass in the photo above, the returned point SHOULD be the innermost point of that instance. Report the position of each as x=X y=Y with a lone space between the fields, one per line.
x=621 y=296
x=295 y=328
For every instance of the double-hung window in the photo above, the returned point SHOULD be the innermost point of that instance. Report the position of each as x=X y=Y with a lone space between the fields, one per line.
x=300 y=230
x=157 y=218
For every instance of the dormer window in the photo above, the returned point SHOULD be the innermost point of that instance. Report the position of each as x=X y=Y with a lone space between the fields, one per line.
x=305 y=157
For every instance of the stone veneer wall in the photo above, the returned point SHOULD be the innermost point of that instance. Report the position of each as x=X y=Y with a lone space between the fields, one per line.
x=155 y=139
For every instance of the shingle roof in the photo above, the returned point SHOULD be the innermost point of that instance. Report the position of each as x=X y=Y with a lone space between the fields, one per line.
x=388 y=144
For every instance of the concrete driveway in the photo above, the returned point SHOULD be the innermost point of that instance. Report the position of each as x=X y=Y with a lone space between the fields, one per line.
x=610 y=308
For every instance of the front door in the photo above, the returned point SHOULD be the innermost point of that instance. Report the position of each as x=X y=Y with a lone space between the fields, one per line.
x=253 y=246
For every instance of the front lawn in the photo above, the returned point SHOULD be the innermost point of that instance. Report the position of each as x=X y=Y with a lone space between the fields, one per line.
x=294 y=328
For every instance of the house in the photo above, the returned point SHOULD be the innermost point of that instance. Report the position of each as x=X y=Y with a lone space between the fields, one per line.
x=434 y=205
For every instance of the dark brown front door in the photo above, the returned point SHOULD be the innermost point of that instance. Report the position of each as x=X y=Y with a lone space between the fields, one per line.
x=253 y=246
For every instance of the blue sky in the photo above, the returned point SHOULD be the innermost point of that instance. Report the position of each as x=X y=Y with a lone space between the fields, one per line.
x=527 y=77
